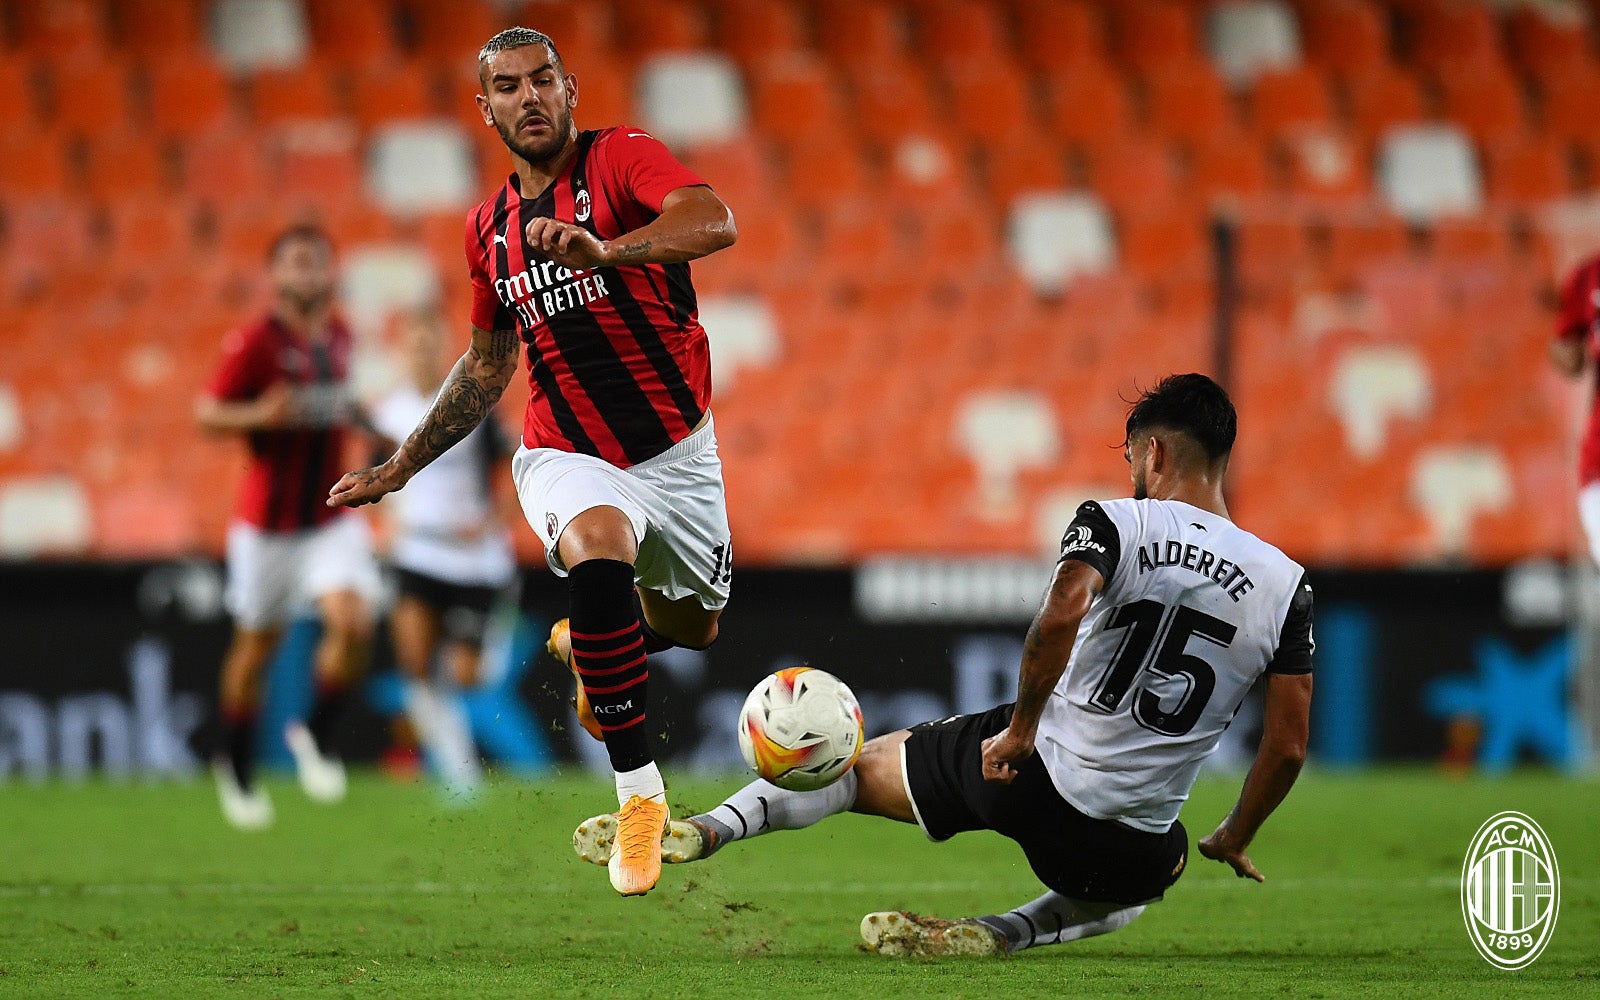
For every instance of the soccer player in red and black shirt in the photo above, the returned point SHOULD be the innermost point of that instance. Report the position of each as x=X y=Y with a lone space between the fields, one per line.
x=281 y=385
x=583 y=256
x=1577 y=343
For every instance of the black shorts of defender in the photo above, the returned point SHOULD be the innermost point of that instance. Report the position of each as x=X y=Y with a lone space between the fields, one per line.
x=463 y=609
x=1073 y=854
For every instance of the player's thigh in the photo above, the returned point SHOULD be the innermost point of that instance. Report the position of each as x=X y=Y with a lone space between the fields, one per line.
x=579 y=505
x=263 y=573
x=342 y=576
x=880 y=779
x=688 y=551
x=414 y=630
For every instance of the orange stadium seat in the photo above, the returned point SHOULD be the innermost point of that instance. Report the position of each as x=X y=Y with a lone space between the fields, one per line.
x=741 y=170
x=33 y=164
x=355 y=32
x=1052 y=34
x=648 y=27
x=1567 y=103
x=1158 y=244
x=453 y=32
x=84 y=103
x=391 y=91
x=891 y=99
x=1526 y=171
x=958 y=30
x=150 y=28
x=1135 y=173
x=750 y=32
x=218 y=165
x=1326 y=165
x=123 y=164
x=1483 y=98
x=1349 y=37
x=1188 y=102
x=1290 y=99
x=1546 y=44
x=989 y=101
x=581 y=29
x=859 y=32
x=1152 y=35
x=794 y=99
x=1021 y=164
x=817 y=173
x=57 y=27
x=17 y=78
x=1089 y=104
x=1475 y=238
x=1354 y=245
x=1441 y=34
x=281 y=95
x=326 y=168
x=1381 y=98
x=1229 y=164
x=188 y=95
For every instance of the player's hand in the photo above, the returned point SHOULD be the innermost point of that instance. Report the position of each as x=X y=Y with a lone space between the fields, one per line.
x=1223 y=846
x=278 y=406
x=366 y=486
x=1001 y=751
x=566 y=244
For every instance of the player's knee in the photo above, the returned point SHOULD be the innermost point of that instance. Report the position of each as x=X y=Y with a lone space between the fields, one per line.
x=598 y=533
x=697 y=636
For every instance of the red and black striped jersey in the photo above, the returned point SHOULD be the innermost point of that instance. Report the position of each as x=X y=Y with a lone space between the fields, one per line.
x=1580 y=321
x=617 y=360
x=291 y=468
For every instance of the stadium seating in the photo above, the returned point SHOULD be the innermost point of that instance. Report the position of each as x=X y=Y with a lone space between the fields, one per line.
x=973 y=214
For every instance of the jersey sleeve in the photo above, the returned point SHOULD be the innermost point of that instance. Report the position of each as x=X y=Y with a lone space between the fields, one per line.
x=246 y=369
x=488 y=312
x=1093 y=538
x=1577 y=303
x=1295 y=642
x=647 y=169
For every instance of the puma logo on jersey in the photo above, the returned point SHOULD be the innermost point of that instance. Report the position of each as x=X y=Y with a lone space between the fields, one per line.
x=500 y=238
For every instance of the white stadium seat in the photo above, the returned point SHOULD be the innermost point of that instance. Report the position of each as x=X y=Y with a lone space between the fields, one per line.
x=1452 y=484
x=421 y=167
x=44 y=514
x=688 y=99
x=1428 y=171
x=1004 y=432
x=259 y=34
x=1372 y=386
x=1248 y=37
x=377 y=282
x=1055 y=237
x=742 y=333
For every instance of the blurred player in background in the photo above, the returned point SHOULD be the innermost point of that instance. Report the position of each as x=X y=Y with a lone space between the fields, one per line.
x=1576 y=343
x=452 y=553
x=1161 y=617
x=584 y=253
x=281 y=385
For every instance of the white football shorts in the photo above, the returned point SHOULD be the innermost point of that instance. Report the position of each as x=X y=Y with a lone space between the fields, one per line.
x=272 y=575
x=1589 y=514
x=675 y=501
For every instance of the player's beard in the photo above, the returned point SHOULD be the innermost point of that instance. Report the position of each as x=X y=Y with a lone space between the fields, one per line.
x=537 y=150
x=1141 y=491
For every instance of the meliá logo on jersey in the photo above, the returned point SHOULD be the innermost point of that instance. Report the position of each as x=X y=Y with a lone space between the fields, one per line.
x=547 y=288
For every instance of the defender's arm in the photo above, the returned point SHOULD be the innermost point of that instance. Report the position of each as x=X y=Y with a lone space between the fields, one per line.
x=469 y=393
x=1568 y=356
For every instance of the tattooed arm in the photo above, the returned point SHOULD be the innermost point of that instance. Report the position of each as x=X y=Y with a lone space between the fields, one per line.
x=1044 y=658
x=693 y=222
x=469 y=393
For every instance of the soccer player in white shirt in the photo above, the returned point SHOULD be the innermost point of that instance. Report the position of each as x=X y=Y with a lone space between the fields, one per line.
x=453 y=555
x=1161 y=617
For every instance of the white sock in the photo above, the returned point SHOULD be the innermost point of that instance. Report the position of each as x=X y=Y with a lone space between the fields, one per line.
x=441 y=722
x=762 y=807
x=1056 y=919
x=644 y=782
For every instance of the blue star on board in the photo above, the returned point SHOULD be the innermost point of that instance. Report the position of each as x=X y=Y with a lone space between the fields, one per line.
x=1519 y=698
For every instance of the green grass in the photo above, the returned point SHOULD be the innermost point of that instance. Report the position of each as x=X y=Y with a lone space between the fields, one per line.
x=140 y=891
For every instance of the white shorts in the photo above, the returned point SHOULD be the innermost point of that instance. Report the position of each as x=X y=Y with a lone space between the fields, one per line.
x=274 y=574
x=1589 y=514
x=675 y=501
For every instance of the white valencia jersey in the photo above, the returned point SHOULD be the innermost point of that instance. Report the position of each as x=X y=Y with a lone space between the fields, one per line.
x=443 y=515
x=1193 y=612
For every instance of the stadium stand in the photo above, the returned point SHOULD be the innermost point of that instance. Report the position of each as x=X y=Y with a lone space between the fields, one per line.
x=939 y=204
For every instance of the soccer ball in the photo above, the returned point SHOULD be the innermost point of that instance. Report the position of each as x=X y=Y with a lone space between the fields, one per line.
x=800 y=729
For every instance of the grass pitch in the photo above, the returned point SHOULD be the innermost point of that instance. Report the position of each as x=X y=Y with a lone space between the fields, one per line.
x=134 y=890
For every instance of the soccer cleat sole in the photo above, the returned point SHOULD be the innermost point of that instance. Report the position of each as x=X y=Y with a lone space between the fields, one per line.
x=898 y=934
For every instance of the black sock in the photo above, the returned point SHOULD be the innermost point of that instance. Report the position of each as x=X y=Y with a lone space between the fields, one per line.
x=608 y=652
x=239 y=742
x=326 y=713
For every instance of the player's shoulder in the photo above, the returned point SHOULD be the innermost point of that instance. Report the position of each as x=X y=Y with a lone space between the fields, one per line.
x=253 y=334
